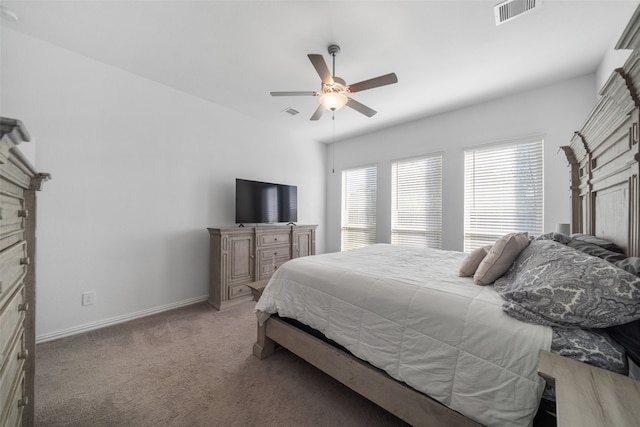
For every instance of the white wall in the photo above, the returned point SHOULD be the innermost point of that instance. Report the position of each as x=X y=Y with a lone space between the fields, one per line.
x=612 y=59
x=553 y=112
x=139 y=171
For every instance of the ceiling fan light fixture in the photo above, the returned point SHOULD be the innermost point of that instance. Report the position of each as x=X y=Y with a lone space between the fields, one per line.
x=334 y=90
x=333 y=100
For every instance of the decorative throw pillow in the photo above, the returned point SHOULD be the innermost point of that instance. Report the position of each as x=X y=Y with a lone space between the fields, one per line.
x=500 y=257
x=472 y=261
x=556 y=285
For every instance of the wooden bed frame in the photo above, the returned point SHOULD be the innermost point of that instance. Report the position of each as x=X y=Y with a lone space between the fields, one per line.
x=396 y=397
x=604 y=159
x=604 y=156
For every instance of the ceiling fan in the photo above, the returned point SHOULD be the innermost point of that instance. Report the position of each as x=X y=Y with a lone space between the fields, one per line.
x=334 y=90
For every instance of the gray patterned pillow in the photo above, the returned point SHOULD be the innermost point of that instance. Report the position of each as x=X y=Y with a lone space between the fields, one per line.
x=597 y=241
x=558 y=237
x=631 y=264
x=555 y=285
x=595 y=250
x=592 y=346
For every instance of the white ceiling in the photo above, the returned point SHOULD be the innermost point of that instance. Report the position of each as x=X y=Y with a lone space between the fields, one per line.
x=446 y=54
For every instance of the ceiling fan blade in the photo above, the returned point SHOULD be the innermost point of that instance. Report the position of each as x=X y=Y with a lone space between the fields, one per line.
x=361 y=107
x=387 y=79
x=318 y=112
x=308 y=93
x=321 y=67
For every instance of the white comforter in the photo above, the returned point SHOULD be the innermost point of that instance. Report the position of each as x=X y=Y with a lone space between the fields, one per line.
x=407 y=312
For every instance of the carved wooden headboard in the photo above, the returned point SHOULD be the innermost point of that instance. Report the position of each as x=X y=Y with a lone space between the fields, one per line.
x=604 y=156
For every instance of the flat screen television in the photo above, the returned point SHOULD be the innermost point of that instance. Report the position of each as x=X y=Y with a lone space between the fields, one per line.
x=264 y=202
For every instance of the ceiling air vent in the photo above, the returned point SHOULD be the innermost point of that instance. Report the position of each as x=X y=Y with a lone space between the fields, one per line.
x=290 y=111
x=509 y=9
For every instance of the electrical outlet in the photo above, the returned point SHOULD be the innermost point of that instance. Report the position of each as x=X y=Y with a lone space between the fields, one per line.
x=88 y=298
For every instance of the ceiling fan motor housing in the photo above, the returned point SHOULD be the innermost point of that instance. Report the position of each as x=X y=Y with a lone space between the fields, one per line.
x=338 y=86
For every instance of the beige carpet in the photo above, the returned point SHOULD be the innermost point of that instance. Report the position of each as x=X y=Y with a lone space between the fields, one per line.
x=188 y=367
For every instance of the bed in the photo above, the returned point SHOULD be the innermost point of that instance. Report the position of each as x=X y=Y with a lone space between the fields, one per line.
x=482 y=341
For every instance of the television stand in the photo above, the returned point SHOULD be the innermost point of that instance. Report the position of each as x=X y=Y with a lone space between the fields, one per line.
x=239 y=256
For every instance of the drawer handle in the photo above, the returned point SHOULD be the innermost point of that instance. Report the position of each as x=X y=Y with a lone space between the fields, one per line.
x=23 y=213
x=25 y=261
x=23 y=402
x=23 y=354
x=23 y=307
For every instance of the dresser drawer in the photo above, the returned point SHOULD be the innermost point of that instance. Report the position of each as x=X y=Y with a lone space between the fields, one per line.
x=11 y=189
x=11 y=373
x=13 y=264
x=12 y=215
x=18 y=401
x=274 y=239
x=269 y=254
x=266 y=269
x=11 y=322
x=11 y=239
x=238 y=291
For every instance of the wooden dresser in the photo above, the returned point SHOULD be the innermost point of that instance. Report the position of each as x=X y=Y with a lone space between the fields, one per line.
x=18 y=183
x=242 y=255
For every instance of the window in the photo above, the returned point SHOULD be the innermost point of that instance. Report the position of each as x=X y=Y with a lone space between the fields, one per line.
x=503 y=192
x=416 y=202
x=359 y=207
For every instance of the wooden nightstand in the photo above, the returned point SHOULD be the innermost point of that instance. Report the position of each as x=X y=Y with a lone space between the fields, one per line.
x=589 y=396
x=257 y=288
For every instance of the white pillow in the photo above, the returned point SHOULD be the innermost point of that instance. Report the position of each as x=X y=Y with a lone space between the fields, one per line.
x=500 y=257
x=472 y=261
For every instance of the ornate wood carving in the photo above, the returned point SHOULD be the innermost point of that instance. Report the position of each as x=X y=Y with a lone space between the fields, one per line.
x=604 y=156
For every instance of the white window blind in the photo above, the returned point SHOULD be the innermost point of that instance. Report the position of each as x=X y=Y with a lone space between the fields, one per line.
x=359 y=207
x=416 y=202
x=503 y=192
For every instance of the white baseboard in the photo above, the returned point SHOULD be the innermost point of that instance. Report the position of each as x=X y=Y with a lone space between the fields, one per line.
x=115 y=320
